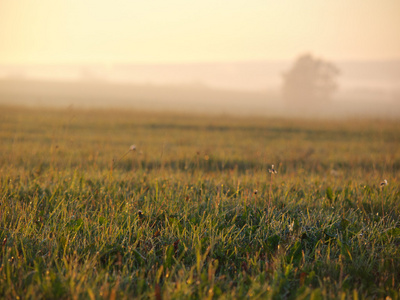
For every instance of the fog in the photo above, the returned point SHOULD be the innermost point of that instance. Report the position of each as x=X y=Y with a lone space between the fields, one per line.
x=368 y=88
x=271 y=58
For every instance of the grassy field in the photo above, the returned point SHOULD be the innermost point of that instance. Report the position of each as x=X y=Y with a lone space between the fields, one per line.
x=214 y=223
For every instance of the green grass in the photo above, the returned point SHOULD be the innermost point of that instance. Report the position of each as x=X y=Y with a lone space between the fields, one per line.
x=70 y=227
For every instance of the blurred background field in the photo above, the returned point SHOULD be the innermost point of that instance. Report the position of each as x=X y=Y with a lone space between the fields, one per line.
x=91 y=139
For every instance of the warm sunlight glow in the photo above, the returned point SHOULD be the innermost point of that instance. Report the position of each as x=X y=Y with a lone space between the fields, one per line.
x=157 y=31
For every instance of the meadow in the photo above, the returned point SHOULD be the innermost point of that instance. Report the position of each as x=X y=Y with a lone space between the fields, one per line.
x=193 y=211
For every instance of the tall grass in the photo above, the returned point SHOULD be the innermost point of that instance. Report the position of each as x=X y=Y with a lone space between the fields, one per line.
x=70 y=225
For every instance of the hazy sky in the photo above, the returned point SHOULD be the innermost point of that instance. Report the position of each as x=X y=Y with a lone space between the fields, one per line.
x=160 y=31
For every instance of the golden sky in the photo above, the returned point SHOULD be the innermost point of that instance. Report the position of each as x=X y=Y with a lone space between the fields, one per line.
x=160 y=31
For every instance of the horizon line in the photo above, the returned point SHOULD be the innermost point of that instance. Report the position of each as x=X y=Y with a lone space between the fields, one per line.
x=208 y=62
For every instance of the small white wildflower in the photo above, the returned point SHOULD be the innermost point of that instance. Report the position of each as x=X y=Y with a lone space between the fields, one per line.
x=383 y=183
x=140 y=214
x=272 y=170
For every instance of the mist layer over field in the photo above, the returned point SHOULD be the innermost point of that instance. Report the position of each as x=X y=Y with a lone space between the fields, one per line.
x=252 y=88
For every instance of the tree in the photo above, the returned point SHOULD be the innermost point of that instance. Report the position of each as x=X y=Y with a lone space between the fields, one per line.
x=310 y=81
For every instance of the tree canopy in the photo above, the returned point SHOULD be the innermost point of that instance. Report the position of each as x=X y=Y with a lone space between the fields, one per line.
x=310 y=80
